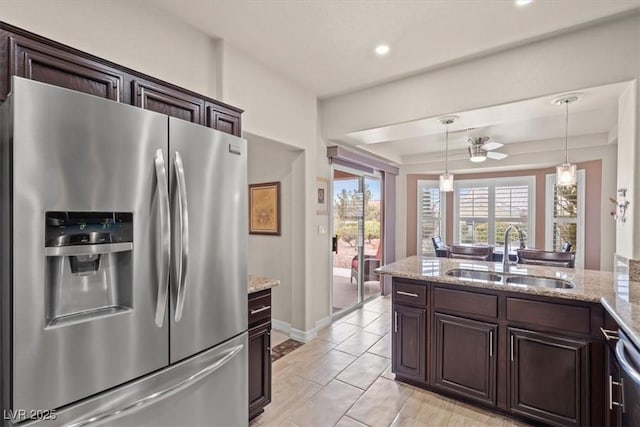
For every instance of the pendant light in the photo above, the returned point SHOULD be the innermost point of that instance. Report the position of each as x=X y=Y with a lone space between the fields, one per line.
x=566 y=173
x=446 y=179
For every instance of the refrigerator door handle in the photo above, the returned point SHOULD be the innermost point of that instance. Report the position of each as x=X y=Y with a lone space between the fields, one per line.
x=183 y=215
x=157 y=396
x=165 y=238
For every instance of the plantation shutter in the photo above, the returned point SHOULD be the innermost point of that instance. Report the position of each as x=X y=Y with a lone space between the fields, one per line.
x=511 y=208
x=429 y=216
x=565 y=216
x=473 y=215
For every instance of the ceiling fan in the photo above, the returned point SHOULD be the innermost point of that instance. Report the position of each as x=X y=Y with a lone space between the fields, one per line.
x=480 y=148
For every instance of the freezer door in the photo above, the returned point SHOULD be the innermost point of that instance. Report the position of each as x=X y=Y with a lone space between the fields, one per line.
x=209 y=389
x=84 y=317
x=209 y=210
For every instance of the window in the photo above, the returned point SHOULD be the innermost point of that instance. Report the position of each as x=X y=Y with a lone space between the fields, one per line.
x=430 y=215
x=565 y=216
x=473 y=215
x=485 y=208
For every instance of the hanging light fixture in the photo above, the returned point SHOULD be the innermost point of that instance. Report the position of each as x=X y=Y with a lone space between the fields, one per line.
x=446 y=179
x=566 y=173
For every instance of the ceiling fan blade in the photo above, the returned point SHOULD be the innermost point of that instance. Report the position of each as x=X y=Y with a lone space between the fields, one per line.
x=495 y=155
x=491 y=145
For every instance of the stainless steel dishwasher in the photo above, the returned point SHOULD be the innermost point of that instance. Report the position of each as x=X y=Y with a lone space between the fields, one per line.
x=628 y=357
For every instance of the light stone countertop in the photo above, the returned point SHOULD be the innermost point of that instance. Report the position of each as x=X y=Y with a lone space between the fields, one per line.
x=618 y=295
x=257 y=283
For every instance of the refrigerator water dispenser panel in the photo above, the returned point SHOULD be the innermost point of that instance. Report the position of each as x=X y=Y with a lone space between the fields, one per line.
x=89 y=266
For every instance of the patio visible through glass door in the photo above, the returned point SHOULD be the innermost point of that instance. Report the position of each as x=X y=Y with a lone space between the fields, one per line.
x=357 y=207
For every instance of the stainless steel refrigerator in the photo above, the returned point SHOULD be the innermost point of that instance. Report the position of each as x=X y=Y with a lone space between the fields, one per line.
x=124 y=279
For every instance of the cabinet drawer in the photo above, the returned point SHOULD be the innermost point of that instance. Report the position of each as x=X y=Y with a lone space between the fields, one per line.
x=465 y=302
x=550 y=315
x=409 y=293
x=259 y=307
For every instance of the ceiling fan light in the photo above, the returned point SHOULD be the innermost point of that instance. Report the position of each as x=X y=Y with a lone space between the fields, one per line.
x=566 y=175
x=477 y=154
x=446 y=182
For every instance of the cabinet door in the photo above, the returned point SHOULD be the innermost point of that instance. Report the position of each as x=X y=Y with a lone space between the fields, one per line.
x=259 y=368
x=465 y=357
x=223 y=119
x=36 y=61
x=613 y=393
x=548 y=377
x=409 y=342
x=167 y=101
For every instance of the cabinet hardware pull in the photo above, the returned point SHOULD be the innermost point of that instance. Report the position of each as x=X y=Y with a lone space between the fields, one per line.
x=512 y=348
x=408 y=294
x=611 y=401
x=258 y=310
x=490 y=343
x=395 y=322
x=609 y=334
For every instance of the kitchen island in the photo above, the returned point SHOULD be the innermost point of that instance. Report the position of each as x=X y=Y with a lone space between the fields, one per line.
x=259 y=321
x=484 y=336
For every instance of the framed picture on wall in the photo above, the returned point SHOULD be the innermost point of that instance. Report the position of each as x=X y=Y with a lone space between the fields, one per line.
x=322 y=196
x=264 y=208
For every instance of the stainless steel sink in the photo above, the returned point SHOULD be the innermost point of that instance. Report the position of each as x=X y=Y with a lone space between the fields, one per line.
x=545 y=282
x=474 y=275
x=487 y=276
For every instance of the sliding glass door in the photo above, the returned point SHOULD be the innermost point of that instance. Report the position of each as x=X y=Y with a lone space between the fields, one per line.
x=357 y=248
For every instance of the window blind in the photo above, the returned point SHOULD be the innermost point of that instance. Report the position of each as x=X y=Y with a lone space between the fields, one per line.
x=429 y=216
x=485 y=208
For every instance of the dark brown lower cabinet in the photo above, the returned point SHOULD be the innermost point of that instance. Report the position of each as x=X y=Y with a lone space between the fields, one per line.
x=259 y=368
x=259 y=311
x=466 y=357
x=548 y=377
x=409 y=343
x=534 y=357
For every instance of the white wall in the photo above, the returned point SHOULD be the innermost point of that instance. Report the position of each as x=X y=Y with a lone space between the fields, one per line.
x=273 y=256
x=125 y=32
x=275 y=108
x=628 y=244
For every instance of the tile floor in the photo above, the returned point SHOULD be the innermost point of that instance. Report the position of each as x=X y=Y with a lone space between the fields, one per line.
x=343 y=378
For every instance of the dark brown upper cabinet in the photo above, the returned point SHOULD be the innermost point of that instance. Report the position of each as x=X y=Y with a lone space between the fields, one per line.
x=150 y=96
x=223 y=119
x=34 y=57
x=37 y=61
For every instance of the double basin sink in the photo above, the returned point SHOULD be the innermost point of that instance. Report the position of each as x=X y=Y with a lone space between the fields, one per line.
x=508 y=279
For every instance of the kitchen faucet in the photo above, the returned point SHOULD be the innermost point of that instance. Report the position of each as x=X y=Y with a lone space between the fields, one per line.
x=505 y=255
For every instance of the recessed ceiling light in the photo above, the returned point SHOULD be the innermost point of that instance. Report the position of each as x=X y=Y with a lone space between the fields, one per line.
x=382 y=49
x=523 y=2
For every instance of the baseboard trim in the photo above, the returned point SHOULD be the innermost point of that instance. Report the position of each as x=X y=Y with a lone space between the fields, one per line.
x=281 y=326
x=297 y=334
